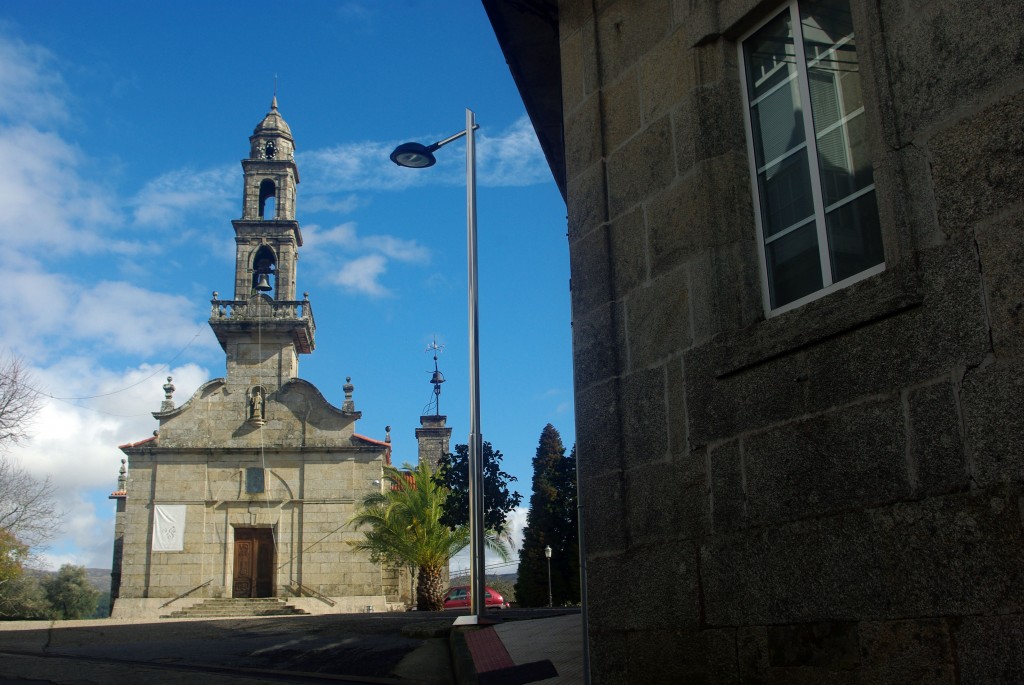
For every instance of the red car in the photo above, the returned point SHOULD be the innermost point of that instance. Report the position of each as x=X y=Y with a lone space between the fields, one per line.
x=458 y=598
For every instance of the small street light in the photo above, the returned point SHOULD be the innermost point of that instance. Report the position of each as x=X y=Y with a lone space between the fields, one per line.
x=547 y=553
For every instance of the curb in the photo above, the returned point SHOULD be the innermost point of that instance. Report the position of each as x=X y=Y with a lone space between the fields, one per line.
x=462 y=660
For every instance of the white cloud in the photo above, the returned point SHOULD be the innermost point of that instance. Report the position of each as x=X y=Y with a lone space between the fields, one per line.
x=132 y=319
x=33 y=89
x=397 y=248
x=170 y=197
x=74 y=442
x=342 y=235
x=351 y=166
x=325 y=203
x=512 y=158
x=68 y=314
x=362 y=275
x=46 y=203
x=356 y=12
x=516 y=522
x=507 y=158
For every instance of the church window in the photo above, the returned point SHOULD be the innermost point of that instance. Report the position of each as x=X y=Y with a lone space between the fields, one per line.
x=268 y=199
x=817 y=219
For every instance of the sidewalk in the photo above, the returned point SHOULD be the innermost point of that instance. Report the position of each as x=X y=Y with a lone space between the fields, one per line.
x=545 y=650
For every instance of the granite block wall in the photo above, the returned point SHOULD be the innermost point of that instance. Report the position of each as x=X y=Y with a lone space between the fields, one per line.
x=832 y=494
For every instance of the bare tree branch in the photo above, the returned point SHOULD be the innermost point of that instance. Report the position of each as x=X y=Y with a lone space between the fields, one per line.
x=19 y=401
x=27 y=507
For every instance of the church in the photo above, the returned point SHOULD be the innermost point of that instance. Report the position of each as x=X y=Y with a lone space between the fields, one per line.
x=245 y=489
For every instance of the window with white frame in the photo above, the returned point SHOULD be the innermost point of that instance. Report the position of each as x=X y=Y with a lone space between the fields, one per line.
x=817 y=219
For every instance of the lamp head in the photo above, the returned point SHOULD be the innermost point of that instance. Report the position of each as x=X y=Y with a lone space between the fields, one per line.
x=414 y=155
x=547 y=551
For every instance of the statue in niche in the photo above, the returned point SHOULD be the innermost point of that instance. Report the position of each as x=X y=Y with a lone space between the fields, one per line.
x=257 y=405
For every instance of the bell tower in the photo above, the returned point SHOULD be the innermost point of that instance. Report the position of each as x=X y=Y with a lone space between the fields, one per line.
x=265 y=327
x=267 y=235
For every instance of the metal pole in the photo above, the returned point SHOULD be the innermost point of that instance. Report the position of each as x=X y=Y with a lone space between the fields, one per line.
x=476 y=470
x=550 y=603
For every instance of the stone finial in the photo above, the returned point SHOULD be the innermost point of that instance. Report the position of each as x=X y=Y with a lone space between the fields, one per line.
x=168 y=403
x=122 y=477
x=348 y=405
x=387 y=434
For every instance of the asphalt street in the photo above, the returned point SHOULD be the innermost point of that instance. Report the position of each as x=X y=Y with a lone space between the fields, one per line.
x=344 y=648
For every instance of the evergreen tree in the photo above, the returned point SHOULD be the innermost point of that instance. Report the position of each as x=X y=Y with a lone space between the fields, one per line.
x=70 y=593
x=453 y=473
x=551 y=521
x=23 y=598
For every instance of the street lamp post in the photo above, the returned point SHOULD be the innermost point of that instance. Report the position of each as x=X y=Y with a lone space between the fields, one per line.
x=547 y=553
x=417 y=156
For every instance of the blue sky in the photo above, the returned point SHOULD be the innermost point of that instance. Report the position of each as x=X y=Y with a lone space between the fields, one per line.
x=121 y=128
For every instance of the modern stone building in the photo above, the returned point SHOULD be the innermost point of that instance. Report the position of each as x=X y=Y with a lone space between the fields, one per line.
x=797 y=249
x=245 y=489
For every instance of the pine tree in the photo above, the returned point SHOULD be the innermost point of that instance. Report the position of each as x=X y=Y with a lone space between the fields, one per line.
x=551 y=521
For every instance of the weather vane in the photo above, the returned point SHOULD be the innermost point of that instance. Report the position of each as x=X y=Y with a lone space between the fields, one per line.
x=436 y=379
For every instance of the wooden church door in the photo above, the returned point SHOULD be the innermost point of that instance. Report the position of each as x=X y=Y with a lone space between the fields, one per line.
x=254 y=563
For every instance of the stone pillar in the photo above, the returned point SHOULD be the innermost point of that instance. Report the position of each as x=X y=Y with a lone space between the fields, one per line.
x=433 y=438
x=120 y=496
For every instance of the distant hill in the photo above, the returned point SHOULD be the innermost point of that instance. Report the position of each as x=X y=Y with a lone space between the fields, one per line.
x=99 y=578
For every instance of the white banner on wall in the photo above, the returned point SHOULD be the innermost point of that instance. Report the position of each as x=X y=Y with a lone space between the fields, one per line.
x=169 y=528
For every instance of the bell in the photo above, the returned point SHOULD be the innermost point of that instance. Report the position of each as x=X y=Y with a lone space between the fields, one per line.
x=263 y=285
x=437 y=378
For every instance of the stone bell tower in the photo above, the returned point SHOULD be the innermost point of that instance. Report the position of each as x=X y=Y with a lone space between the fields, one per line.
x=264 y=328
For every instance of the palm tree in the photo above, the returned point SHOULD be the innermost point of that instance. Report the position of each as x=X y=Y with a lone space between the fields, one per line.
x=405 y=528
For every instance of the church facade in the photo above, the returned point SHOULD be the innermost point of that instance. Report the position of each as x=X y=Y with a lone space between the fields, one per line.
x=246 y=488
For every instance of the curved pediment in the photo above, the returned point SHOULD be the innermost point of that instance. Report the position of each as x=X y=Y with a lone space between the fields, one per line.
x=202 y=391
x=222 y=414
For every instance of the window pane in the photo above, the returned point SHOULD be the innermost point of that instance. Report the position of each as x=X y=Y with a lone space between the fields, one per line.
x=775 y=115
x=785 y=190
x=777 y=122
x=844 y=161
x=794 y=265
x=771 y=56
x=836 y=100
x=854 y=237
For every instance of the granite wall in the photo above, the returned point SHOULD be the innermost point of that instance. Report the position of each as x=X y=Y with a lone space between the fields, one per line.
x=833 y=494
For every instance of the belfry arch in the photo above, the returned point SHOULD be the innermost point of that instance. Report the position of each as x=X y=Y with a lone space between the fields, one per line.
x=264 y=270
x=268 y=199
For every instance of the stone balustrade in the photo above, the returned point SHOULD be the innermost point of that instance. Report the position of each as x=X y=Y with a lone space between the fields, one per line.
x=261 y=308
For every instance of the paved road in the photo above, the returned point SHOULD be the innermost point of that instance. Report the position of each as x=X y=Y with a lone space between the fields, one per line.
x=339 y=648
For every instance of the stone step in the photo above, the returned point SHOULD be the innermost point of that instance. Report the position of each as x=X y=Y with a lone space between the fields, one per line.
x=231 y=607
